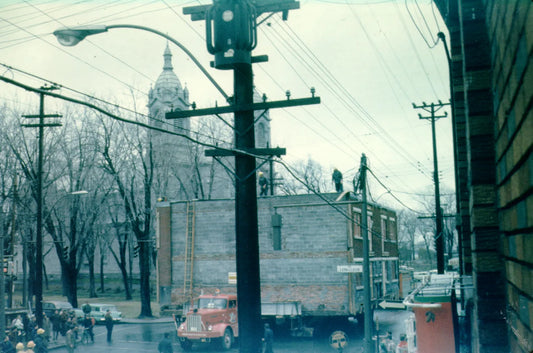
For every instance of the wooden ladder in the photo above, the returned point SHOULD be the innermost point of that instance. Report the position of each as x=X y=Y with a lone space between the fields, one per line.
x=189 y=252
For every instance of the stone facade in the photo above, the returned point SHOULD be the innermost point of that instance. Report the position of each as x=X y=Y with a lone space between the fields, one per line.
x=182 y=172
x=492 y=90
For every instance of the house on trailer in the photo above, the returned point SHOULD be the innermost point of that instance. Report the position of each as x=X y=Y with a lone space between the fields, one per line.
x=311 y=251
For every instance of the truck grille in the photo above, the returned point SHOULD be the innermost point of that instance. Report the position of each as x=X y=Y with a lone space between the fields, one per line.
x=194 y=323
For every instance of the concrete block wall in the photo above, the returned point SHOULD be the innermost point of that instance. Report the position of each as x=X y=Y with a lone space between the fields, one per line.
x=314 y=241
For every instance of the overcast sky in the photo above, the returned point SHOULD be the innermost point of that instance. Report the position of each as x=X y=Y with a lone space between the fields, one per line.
x=368 y=60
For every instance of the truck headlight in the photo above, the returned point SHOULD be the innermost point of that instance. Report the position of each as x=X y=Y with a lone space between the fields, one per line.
x=209 y=328
x=182 y=327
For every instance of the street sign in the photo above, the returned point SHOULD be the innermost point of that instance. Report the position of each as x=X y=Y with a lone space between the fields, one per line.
x=232 y=277
x=392 y=305
x=338 y=339
x=350 y=268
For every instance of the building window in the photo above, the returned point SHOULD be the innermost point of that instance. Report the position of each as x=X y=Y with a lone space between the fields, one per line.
x=276 y=231
x=392 y=229
x=357 y=223
x=383 y=232
x=358 y=279
x=370 y=232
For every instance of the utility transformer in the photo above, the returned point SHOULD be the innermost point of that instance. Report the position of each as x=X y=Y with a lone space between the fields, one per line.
x=311 y=256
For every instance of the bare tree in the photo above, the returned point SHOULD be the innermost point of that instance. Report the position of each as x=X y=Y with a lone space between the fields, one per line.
x=408 y=231
x=127 y=158
x=70 y=165
x=310 y=177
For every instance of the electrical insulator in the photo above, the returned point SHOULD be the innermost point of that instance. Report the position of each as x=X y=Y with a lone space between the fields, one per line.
x=231 y=32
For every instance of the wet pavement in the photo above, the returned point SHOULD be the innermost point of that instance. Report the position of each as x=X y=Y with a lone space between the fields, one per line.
x=144 y=335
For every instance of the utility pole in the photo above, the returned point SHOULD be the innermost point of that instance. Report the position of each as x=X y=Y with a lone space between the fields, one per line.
x=367 y=305
x=439 y=232
x=11 y=249
x=38 y=285
x=2 y=292
x=231 y=33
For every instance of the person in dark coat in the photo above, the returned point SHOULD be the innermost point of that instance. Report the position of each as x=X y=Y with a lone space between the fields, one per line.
x=109 y=325
x=41 y=343
x=55 y=320
x=263 y=184
x=165 y=345
x=88 y=324
x=268 y=338
x=7 y=346
x=86 y=308
x=337 y=180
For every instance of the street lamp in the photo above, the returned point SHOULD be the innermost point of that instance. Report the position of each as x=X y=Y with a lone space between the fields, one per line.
x=71 y=36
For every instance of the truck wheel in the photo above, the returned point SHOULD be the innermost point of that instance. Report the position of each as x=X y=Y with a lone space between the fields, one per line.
x=227 y=340
x=186 y=345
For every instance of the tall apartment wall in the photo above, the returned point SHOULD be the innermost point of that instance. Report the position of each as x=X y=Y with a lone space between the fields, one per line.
x=510 y=32
x=491 y=42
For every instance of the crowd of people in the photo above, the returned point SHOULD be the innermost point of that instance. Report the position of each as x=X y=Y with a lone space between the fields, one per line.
x=26 y=336
x=387 y=345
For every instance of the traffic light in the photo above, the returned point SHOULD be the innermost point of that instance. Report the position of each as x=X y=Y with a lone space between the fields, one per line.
x=5 y=266
x=231 y=32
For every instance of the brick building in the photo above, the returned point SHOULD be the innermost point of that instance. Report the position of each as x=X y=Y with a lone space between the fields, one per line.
x=492 y=88
x=302 y=238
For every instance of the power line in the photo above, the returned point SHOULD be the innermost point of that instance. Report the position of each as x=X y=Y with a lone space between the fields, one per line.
x=342 y=89
x=164 y=122
x=430 y=46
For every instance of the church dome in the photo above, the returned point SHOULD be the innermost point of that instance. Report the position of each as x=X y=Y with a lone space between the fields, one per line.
x=168 y=80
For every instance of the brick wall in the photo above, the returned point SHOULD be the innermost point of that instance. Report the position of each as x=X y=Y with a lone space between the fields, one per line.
x=491 y=44
x=510 y=30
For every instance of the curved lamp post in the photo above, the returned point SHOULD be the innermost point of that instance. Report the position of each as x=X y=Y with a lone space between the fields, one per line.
x=73 y=35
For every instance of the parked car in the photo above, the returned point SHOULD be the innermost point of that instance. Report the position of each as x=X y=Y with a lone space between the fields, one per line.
x=98 y=311
x=49 y=307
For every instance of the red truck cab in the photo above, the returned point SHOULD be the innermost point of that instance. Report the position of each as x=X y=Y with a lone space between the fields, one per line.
x=212 y=318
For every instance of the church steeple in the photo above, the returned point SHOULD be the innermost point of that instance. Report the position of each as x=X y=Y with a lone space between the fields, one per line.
x=168 y=59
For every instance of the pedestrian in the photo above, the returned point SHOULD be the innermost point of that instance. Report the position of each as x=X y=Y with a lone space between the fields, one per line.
x=337 y=180
x=70 y=340
x=19 y=347
x=7 y=346
x=55 y=320
x=63 y=318
x=402 y=345
x=387 y=344
x=165 y=345
x=86 y=308
x=46 y=327
x=18 y=329
x=263 y=184
x=360 y=315
x=41 y=343
x=30 y=346
x=268 y=338
x=88 y=323
x=109 y=325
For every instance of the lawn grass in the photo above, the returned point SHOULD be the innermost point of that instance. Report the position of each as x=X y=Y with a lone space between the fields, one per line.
x=113 y=295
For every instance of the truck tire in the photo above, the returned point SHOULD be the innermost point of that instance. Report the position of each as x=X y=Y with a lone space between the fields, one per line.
x=226 y=341
x=186 y=345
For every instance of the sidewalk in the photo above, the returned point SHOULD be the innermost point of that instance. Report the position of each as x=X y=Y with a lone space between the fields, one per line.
x=60 y=343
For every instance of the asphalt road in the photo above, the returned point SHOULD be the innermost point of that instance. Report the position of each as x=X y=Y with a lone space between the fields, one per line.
x=144 y=337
